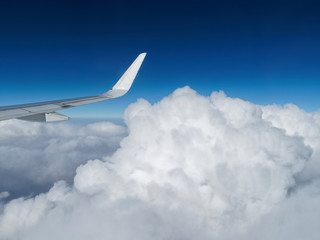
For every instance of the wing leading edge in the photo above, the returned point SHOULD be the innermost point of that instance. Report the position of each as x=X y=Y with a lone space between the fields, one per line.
x=46 y=111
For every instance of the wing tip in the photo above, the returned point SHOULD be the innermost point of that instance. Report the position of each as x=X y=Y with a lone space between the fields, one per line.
x=126 y=80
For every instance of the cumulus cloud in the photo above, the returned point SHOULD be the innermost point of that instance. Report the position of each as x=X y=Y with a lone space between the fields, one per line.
x=191 y=167
x=297 y=122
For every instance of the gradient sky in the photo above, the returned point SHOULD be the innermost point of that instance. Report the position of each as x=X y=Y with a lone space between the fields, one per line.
x=261 y=51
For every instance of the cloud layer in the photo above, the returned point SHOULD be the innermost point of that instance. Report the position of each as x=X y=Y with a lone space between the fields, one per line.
x=33 y=156
x=191 y=167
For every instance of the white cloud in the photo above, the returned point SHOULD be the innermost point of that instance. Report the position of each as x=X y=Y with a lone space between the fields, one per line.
x=192 y=167
x=297 y=122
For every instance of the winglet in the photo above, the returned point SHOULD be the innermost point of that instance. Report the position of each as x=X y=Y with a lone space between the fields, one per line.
x=125 y=82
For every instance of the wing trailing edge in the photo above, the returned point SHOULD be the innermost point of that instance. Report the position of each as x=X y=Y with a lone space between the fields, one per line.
x=45 y=117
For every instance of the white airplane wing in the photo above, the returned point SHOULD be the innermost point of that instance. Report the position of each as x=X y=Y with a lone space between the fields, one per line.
x=46 y=111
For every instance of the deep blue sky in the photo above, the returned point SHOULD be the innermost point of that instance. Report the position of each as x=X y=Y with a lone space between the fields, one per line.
x=262 y=51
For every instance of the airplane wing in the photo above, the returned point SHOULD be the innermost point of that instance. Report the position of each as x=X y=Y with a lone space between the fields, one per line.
x=46 y=111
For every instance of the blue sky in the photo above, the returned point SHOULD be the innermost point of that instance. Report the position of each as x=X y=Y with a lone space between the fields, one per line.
x=262 y=51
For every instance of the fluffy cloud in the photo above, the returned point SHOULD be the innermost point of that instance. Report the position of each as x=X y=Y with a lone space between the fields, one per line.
x=191 y=167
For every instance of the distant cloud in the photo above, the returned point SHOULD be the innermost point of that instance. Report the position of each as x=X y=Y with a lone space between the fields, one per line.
x=4 y=195
x=191 y=167
x=33 y=156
